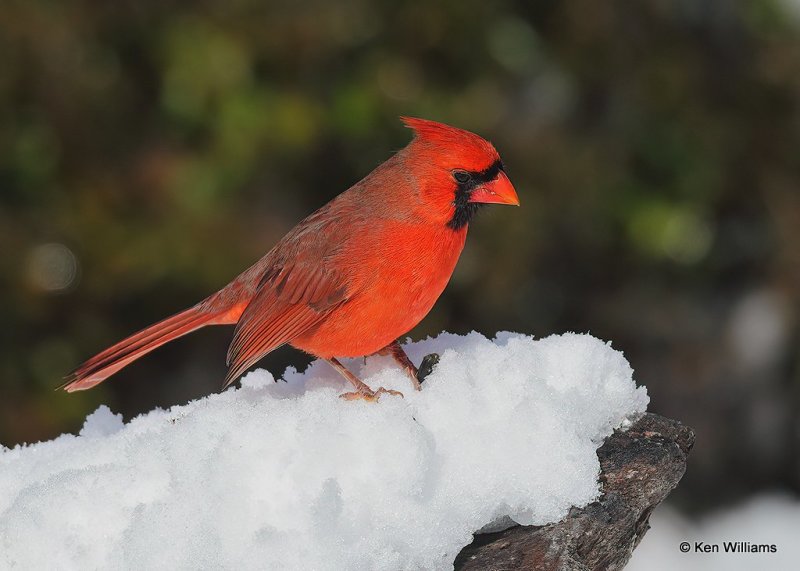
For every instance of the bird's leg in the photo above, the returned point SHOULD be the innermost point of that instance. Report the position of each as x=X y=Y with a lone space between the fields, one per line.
x=362 y=390
x=396 y=352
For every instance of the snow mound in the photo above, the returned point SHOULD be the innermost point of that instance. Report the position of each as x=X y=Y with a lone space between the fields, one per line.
x=288 y=476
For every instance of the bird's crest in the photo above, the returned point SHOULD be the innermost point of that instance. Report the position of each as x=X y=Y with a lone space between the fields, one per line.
x=451 y=141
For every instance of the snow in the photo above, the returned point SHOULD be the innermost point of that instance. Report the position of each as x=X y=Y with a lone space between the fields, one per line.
x=288 y=476
x=771 y=519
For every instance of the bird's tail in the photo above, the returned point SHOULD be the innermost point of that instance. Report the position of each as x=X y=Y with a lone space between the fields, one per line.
x=104 y=364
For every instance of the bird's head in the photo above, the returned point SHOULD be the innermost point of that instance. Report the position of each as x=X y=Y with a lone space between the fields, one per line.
x=457 y=172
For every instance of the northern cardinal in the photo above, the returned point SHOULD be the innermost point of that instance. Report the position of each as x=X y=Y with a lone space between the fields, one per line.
x=353 y=276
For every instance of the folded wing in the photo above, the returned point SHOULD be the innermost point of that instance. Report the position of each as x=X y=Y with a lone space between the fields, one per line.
x=298 y=290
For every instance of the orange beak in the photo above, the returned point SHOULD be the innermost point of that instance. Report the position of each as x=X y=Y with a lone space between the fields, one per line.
x=498 y=191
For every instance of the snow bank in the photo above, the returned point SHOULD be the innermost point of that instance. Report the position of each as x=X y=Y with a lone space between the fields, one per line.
x=288 y=476
x=763 y=520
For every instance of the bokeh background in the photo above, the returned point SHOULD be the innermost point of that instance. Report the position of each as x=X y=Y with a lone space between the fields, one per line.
x=149 y=151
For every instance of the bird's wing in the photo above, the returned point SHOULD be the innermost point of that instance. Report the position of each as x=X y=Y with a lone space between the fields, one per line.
x=288 y=303
x=300 y=285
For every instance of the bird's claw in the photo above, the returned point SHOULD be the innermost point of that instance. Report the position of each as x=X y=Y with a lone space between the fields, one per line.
x=370 y=396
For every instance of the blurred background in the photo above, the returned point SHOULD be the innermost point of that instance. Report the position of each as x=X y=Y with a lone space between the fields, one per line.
x=150 y=151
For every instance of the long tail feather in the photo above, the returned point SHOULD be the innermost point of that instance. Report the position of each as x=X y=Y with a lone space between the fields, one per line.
x=104 y=364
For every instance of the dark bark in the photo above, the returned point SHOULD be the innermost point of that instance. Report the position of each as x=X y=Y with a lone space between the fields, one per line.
x=639 y=468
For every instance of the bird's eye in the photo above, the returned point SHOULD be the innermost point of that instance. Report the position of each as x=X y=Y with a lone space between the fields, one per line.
x=462 y=177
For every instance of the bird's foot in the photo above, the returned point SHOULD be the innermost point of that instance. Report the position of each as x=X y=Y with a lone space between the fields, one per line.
x=369 y=395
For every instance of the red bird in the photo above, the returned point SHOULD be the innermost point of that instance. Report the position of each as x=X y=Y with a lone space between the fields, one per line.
x=353 y=276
